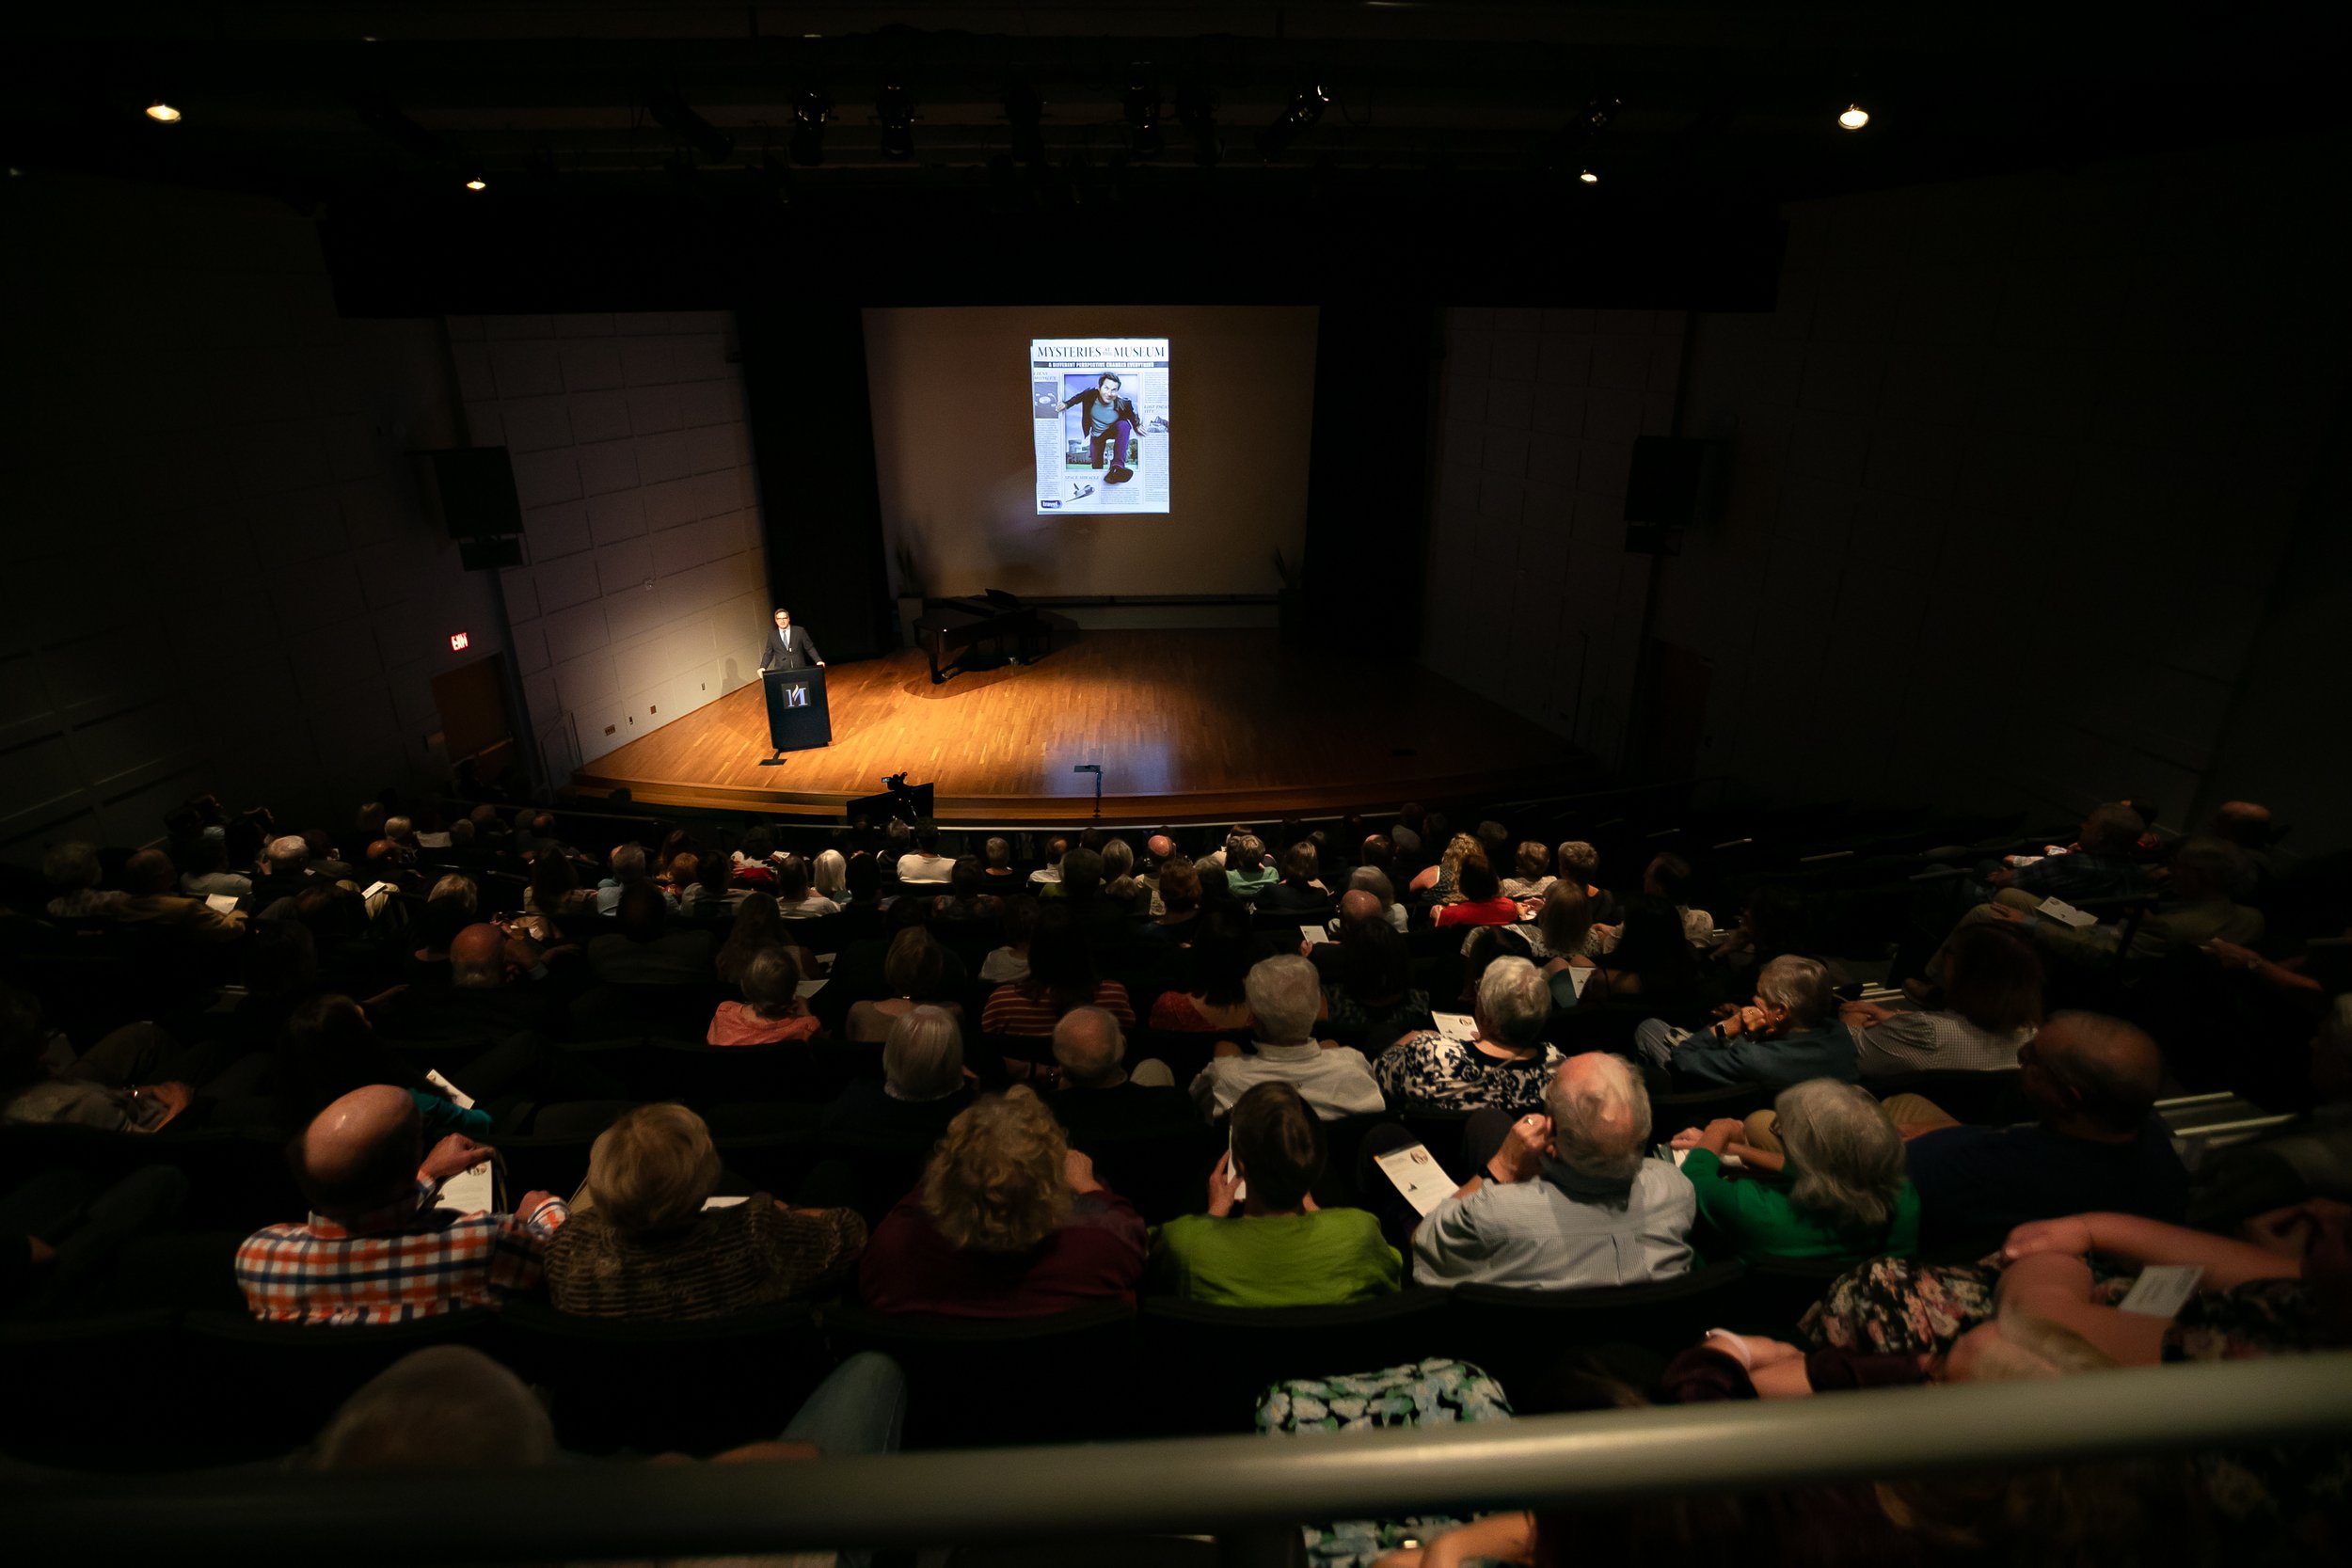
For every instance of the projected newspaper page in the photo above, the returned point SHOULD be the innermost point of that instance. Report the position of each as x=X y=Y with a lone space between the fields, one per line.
x=1098 y=410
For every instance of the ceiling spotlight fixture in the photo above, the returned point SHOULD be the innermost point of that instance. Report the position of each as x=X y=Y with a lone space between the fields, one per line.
x=1197 y=110
x=894 y=108
x=1305 y=107
x=1589 y=178
x=476 y=183
x=1855 y=119
x=1142 y=103
x=162 y=113
x=810 y=111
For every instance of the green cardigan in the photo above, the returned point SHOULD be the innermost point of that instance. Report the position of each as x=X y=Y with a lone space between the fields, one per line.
x=1750 y=1218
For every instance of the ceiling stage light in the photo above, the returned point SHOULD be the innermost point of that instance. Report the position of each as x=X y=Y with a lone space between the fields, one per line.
x=1855 y=119
x=162 y=113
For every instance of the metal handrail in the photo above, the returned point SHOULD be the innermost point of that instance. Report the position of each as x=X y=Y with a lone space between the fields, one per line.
x=1189 y=1486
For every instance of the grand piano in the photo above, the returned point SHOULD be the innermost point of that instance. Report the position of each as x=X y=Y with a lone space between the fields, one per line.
x=952 y=633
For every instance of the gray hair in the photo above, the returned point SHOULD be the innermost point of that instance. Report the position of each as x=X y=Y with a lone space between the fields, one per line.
x=449 y=1407
x=1119 y=860
x=1089 y=1044
x=1514 y=1001
x=1371 y=879
x=1801 y=984
x=290 y=852
x=628 y=862
x=71 y=865
x=1845 y=1156
x=831 y=873
x=1286 y=994
x=399 y=829
x=1600 y=1128
x=461 y=831
x=923 y=1056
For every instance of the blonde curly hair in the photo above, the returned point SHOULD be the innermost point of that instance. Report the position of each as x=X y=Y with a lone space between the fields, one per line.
x=996 y=1182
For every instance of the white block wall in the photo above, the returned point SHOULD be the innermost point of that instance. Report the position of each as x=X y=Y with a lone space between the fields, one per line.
x=644 y=594
x=217 y=575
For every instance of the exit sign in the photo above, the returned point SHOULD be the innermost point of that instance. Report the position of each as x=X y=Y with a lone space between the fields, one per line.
x=458 y=642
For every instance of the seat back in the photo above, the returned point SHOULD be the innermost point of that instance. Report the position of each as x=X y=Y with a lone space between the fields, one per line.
x=1979 y=1099
x=993 y=1382
x=70 y=1384
x=1523 y=1334
x=264 y=1388
x=692 y=1386
x=1212 y=1364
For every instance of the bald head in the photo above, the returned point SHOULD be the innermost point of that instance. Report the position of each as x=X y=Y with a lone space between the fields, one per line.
x=1159 y=847
x=1359 y=906
x=477 y=956
x=1599 y=1114
x=1088 y=1045
x=2094 y=1069
x=446 y=1408
x=2244 y=823
x=359 y=1153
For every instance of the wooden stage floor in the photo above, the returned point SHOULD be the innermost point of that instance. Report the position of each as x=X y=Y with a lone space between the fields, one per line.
x=1188 y=726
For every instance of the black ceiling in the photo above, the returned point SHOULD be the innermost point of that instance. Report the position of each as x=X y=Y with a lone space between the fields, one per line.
x=1442 y=118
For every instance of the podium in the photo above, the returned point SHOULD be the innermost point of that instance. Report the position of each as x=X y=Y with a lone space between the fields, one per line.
x=798 y=719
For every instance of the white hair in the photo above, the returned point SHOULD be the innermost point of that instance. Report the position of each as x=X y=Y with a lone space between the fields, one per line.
x=923 y=1056
x=1286 y=994
x=628 y=862
x=1601 y=1127
x=1089 y=1044
x=1800 y=985
x=1515 y=1002
x=291 y=852
x=831 y=873
x=1371 y=879
x=1844 y=1153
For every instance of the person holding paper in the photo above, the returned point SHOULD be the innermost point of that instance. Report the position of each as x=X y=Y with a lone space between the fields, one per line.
x=1285 y=998
x=1565 y=1199
x=155 y=902
x=374 y=1249
x=1282 y=1250
x=1507 y=1066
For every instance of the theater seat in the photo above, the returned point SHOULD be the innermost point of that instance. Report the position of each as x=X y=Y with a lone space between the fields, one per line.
x=1521 y=1334
x=991 y=1382
x=264 y=1388
x=1211 y=1363
x=100 y=1393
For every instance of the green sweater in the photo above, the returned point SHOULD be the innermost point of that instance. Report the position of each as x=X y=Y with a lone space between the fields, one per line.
x=1318 y=1259
x=1750 y=1217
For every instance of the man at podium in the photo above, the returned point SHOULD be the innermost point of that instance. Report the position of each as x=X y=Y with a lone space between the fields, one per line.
x=789 y=647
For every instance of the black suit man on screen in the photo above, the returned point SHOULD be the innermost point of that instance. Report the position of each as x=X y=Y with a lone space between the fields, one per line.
x=789 y=647
x=1105 y=413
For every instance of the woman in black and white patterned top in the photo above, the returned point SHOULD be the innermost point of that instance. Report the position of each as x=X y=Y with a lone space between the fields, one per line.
x=1506 y=1067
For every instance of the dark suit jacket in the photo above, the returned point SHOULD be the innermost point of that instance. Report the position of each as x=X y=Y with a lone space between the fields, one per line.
x=800 y=656
x=1120 y=409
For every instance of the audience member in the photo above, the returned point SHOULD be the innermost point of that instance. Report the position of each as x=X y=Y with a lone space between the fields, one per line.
x=1836 y=1190
x=771 y=1011
x=1992 y=1006
x=1285 y=997
x=1564 y=1200
x=2198 y=908
x=1126 y=891
x=648 y=949
x=151 y=881
x=1506 y=1067
x=1248 y=875
x=1282 y=1250
x=1216 y=995
x=923 y=1085
x=2097 y=866
x=1481 y=901
x=997 y=872
x=1299 y=889
x=1100 y=1096
x=1061 y=977
x=1177 y=915
x=1532 y=878
x=1669 y=877
x=627 y=865
x=829 y=875
x=924 y=863
x=1788 y=1033
x=2096 y=1144
x=1046 y=879
x=757 y=924
x=286 y=870
x=1439 y=881
x=967 y=900
x=208 y=874
x=1098 y=922
x=374 y=1250
x=1009 y=1222
x=642 y=1244
x=915 y=972
x=1650 y=959
x=1580 y=863
x=795 y=899
x=134 y=1080
x=1373 y=998
x=329 y=1049
x=1011 y=963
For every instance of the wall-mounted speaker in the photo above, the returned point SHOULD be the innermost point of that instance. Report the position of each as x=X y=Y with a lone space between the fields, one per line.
x=470 y=490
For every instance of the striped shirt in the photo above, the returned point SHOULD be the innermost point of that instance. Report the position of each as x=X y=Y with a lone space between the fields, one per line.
x=1016 y=1011
x=400 y=1262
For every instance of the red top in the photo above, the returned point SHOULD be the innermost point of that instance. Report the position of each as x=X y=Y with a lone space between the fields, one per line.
x=908 y=1266
x=1492 y=912
x=736 y=1023
x=1012 y=1009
